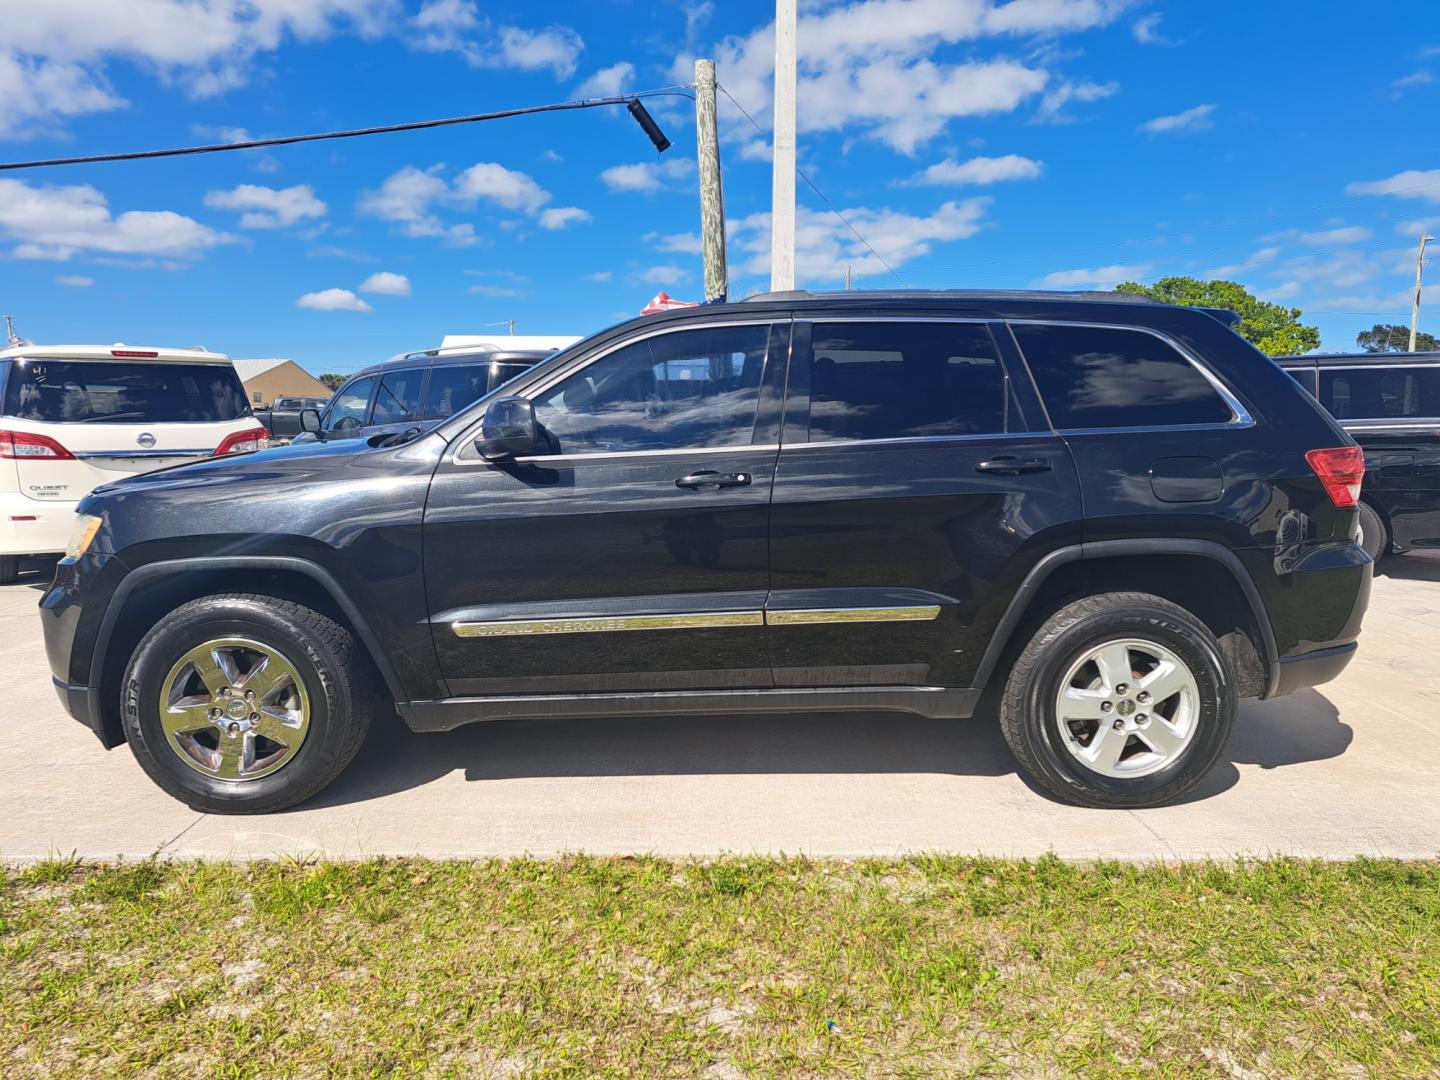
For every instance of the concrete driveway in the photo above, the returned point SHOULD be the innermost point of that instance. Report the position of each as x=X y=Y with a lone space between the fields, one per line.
x=1353 y=768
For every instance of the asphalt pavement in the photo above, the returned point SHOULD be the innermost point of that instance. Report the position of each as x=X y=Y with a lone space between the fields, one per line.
x=1350 y=768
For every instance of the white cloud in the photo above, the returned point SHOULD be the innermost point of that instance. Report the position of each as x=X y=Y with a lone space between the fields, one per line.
x=608 y=82
x=386 y=284
x=1412 y=229
x=1147 y=30
x=74 y=281
x=1052 y=105
x=1411 y=81
x=978 y=170
x=662 y=275
x=332 y=300
x=557 y=217
x=1196 y=119
x=54 y=222
x=647 y=176
x=872 y=63
x=457 y=26
x=412 y=197
x=1349 y=234
x=510 y=188
x=498 y=292
x=824 y=246
x=599 y=275
x=687 y=243
x=268 y=208
x=1259 y=258
x=1093 y=277
x=1410 y=184
x=55 y=53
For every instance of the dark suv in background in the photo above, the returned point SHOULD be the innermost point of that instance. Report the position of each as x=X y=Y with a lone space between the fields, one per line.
x=415 y=388
x=1390 y=405
x=1115 y=515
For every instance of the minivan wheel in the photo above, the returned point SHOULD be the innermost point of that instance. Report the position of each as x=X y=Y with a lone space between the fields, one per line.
x=1374 y=536
x=9 y=568
x=245 y=704
x=1119 y=700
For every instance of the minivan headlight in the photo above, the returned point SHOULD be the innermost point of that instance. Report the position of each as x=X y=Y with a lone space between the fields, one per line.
x=83 y=535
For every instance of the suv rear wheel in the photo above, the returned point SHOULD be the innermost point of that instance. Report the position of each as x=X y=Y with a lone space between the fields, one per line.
x=1119 y=700
x=1374 y=537
x=245 y=704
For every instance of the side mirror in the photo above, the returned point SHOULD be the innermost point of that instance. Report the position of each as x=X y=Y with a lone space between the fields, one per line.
x=310 y=422
x=508 y=429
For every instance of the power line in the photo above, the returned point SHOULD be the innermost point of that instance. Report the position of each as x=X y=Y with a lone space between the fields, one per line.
x=811 y=184
x=352 y=133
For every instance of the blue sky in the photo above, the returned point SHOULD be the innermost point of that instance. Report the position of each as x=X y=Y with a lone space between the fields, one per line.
x=1052 y=143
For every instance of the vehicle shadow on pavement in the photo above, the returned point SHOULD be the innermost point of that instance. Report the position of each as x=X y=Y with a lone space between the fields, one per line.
x=1412 y=566
x=1302 y=728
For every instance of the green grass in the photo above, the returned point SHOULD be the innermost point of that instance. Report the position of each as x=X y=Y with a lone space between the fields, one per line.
x=619 y=967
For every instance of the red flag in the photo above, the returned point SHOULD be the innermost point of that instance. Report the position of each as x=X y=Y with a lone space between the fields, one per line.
x=663 y=301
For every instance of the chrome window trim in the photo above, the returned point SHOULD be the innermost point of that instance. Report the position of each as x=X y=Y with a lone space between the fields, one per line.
x=1239 y=415
x=684 y=452
x=900 y=440
x=1401 y=425
x=1378 y=365
x=467 y=437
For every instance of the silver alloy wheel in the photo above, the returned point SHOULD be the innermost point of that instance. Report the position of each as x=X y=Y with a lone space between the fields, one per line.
x=234 y=709
x=1127 y=708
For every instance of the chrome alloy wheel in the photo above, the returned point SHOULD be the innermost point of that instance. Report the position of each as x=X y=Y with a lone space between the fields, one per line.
x=234 y=709
x=1127 y=708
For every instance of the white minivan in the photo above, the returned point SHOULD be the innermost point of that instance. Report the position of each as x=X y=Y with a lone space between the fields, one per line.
x=73 y=417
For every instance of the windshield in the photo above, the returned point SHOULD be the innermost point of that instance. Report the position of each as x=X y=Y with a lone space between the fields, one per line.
x=102 y=391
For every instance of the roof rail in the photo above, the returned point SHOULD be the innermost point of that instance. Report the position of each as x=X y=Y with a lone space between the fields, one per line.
x=950 y=294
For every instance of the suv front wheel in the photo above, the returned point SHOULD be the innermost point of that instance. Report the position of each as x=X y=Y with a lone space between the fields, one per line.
x=245 y=704
x=1119 y=700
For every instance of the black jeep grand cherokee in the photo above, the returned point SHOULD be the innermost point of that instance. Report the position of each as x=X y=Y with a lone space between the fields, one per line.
x=1116 y=515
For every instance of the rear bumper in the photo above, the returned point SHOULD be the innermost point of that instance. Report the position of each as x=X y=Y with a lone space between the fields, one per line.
x=1312 y=668
x=34 y=526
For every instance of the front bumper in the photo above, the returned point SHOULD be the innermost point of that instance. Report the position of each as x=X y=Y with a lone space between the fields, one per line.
x=34 y=526
x=71 y=614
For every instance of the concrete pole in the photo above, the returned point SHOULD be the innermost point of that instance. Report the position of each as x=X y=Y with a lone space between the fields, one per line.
x=712 y=192
x=1419 y=273
x=782 y=208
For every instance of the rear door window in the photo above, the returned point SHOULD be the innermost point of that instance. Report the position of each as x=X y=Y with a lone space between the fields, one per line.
x=399 y=396
x=348 y=411
x=896 y=380
x=100 y=391
x=1104 y=377
x=1381 y=393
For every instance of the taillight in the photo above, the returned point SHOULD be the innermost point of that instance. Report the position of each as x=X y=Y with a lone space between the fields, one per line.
x=1340 y=470
x=29 y=446
x=244 y=442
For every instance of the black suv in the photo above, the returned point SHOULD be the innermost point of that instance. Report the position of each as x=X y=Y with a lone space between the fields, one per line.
x=1114 y=514
x=1390 y=403
x=417 y=388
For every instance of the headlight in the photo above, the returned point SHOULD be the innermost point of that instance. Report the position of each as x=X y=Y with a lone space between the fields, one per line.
x=82 y=536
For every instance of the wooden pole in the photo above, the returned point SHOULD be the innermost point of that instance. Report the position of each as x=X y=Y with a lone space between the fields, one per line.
x=712 y=191
x=782 y=203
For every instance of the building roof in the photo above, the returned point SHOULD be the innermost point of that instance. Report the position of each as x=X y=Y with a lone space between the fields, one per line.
x=251 y=369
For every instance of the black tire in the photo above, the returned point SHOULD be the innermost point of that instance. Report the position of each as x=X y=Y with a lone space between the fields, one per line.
x=1374 y=536
x=1028 y=713
x=337 y=681
x=9 y=568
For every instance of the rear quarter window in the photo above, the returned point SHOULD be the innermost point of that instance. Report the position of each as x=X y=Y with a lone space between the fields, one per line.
x=1104 y=377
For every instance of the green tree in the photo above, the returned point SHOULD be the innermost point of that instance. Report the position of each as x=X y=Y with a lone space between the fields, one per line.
x=1274 y=329
x=1388 y=337
x=333 y=381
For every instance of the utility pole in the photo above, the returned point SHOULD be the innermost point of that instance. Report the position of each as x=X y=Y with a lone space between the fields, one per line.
x=712 y=192
x=782 y=202
x=847 y=277
x=1419 y=273
x=12 y=339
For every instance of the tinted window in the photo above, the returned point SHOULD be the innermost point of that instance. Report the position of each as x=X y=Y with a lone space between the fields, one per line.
x=101 y=391
x=1093 y=377
x=454 y=388
x=348 y=410
x=690 y=389
x=1381 y=393
x=399 y=396
x=906 y=380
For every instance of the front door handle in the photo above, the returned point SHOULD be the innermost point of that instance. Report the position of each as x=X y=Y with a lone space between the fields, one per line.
x=709 y=478
x=1013 y=466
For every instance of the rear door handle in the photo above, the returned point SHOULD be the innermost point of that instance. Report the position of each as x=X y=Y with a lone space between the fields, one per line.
x=709 y=478
x=1013 y=466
